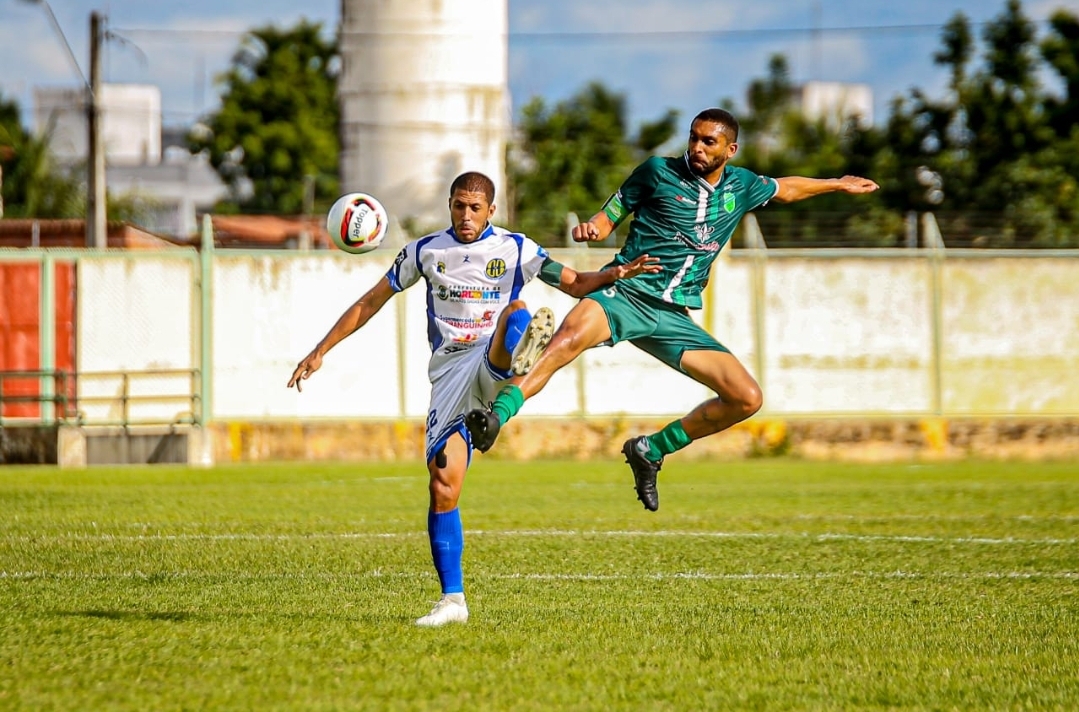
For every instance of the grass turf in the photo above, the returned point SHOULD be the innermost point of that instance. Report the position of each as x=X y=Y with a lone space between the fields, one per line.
x=766 y=584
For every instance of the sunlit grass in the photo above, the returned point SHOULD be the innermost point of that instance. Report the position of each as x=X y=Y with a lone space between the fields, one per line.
x=761 y=585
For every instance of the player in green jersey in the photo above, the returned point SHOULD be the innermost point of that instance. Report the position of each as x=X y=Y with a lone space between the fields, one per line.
x=684 y=210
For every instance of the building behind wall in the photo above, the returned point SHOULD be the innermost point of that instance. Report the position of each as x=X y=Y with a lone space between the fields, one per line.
x=144 y=162
x=837 y=102
x=424 y=97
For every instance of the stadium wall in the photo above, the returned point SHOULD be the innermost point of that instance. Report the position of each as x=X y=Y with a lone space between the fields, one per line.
x=852 y=334
x=943 y=352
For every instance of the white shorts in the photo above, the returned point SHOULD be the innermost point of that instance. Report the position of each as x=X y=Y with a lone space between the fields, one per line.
x=463 y=381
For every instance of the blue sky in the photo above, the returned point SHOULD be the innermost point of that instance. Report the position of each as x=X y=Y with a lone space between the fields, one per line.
x=693 y=62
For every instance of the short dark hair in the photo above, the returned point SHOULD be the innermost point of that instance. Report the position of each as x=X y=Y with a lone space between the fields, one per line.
x=474 y=182
x=722 y=117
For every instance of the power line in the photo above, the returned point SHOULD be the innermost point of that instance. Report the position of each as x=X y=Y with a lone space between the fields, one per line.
x=599 y=35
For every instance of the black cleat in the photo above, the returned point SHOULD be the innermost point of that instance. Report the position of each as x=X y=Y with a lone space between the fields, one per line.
x=483 y=427
x=644 y=471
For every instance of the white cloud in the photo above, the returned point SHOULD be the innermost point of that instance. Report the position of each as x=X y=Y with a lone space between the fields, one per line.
x=31 y=55
x=642 y=15
x=686 y=71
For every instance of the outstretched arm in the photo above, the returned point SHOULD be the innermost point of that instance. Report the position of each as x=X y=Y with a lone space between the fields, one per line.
x=795 y=188
x=354 y=317
x=577 y=284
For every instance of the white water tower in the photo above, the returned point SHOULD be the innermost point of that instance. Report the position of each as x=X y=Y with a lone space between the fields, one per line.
x=423 y=92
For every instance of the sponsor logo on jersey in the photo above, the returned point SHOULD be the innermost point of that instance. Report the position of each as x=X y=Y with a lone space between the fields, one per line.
x=683 y=199
x=704 y=232
x=699 y=245
x=495 y=268
x=461 y=293
x=476 y=323
x=399 y=259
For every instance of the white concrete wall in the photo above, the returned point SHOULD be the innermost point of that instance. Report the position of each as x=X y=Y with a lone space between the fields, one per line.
x=848 y=336
x=268 y=314
x=824 y=335
x=1010 y=336
x=136 y=313
x=423 y=86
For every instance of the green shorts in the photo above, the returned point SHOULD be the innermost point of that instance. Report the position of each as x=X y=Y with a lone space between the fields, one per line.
x=664 y=331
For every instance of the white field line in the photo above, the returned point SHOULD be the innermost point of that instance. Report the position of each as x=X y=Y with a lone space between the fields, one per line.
x=540 y=533
x=674 y=576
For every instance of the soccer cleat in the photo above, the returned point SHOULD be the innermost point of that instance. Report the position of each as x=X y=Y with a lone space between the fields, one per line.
x=644 y=471
x=535 y=339
x=451 y=609
x=483 y=427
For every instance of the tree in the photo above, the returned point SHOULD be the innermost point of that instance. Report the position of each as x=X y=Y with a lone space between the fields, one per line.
x=777 y=139
x=33 y=185
x=1061 y=51
x=1000 y=144
x=278 y=120
x=571 y=157
x=958 y=49
x=770 y=106
x=1011 y=150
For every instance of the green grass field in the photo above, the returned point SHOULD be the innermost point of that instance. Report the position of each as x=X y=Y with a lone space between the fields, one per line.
x=765 y=584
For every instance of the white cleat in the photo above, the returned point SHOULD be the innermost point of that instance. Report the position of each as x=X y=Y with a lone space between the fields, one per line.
x=451 y=609
x=533 y=341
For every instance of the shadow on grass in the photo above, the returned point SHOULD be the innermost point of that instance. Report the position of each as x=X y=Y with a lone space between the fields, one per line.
x=363 y=619
x=128 y=615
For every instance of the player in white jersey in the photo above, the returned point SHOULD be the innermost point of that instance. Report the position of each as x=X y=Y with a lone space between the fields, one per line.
x=480 y=334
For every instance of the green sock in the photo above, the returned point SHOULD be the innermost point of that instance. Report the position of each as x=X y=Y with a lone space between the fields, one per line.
x=508 y=402
x=671 y=439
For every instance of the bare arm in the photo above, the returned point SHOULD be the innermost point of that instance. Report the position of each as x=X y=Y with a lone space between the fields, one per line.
x=353 y=318
x=795 y=188
x=577 y=284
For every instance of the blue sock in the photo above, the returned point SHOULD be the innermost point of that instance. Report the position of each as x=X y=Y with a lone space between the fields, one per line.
x=516 y=323
x=447 y=544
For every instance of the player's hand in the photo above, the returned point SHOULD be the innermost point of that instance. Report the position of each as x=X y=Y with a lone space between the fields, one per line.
x=304 y=369
x=585 y=232
x=857 y=184
x=644 y=263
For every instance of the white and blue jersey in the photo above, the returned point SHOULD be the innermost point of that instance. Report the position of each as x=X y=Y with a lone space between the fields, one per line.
x=468 y=283
x=468 y=286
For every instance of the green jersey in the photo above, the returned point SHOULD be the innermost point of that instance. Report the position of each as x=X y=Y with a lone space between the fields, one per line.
x=684 y=221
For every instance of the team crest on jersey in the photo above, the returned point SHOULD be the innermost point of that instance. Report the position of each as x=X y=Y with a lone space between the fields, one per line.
x=440 y=268
x=496 y=268
x=728 y=202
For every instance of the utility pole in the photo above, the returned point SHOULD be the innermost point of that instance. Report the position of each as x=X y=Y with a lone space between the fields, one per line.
x=95 y=161
x=96 y=230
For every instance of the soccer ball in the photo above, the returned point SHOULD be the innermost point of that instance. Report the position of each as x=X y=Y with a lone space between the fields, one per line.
x=357 y=223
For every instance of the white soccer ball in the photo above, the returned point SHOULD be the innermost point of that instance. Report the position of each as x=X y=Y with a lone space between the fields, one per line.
x=357 y=223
